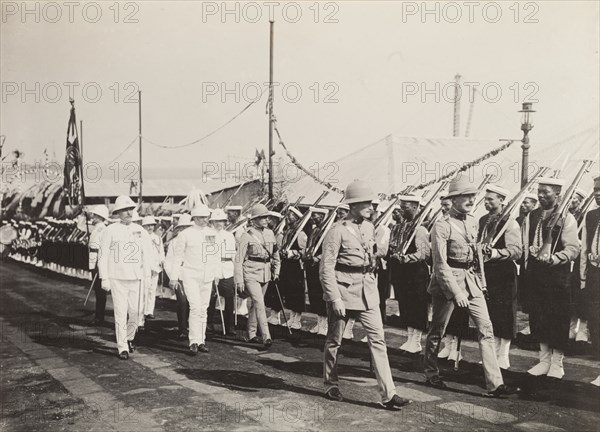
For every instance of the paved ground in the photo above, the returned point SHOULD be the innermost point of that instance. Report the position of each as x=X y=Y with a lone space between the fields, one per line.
x=59 y=374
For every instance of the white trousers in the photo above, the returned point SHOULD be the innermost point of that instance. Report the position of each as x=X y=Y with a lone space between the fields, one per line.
x=151 y=295
x=198 y=295
x=126 y=301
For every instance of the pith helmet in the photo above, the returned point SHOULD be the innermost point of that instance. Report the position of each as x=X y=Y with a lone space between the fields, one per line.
x=460 y=186
x=258 y=210
x=358 y=191
x=123 y=202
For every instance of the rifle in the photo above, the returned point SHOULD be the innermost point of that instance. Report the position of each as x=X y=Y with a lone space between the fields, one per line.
x=300 y=226
x=418 y=221
x=232 y=195
x=323 y=229
x=580 y=215
x=281 y=225
x=481 y=192
x=493 y=232
x=384 y=217
x=560 y=213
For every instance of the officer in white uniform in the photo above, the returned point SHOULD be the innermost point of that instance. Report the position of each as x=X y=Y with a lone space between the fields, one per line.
x=158 y=259
x=196 y=263
x=123 y=264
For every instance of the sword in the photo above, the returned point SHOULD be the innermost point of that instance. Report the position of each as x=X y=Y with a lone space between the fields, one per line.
x=220 y=308
x=282 y=307
x=90 y=290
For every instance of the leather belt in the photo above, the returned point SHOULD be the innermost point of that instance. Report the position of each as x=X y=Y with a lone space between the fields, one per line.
x=466 y=265
x=353 y=269
x=259 y=259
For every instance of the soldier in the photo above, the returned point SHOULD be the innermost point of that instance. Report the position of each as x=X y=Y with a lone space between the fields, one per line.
x=342 y=212
x=256 y=264
x=292 y=271
x=501 y=272
x=446 y=204
x=158 y=259
x=577 y=332
x=350 y=290
x=590 y=272
x=411 y=274
x=195 y=264
x=224 y=285
x=123 y=265
x=98 y=215
x=529 y=203
x=455 y=283
x=311 y=265
x=548 y=277
x=183 y=306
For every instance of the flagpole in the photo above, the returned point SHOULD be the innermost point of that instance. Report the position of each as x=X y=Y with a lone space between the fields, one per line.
x=140 y=146
x=271 y=24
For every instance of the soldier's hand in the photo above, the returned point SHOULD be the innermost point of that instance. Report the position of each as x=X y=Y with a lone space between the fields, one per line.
x=275 y=279
x=338 y=307
x=174 y=285
x=240 y=287
x=105 y=285
x=461 y=301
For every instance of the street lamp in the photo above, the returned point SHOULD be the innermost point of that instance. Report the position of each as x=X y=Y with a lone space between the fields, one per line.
x=525 y=127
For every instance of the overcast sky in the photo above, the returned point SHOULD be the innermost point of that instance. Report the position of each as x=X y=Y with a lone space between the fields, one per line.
x=362 y=68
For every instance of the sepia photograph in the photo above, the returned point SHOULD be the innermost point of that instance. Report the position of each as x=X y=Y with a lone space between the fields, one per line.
x=300 y=215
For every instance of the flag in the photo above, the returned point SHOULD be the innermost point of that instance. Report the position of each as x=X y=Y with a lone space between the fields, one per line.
x=73 y=182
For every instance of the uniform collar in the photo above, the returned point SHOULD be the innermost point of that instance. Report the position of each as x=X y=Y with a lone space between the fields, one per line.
x=457 y=215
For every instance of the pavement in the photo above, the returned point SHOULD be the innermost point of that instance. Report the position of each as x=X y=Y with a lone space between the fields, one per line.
x=58 y=374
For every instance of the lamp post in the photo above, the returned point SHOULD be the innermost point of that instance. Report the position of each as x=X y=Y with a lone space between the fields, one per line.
x=525 y=127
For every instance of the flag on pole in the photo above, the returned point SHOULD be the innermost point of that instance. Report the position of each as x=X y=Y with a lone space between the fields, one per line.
x=73 y=182
x=259 y=157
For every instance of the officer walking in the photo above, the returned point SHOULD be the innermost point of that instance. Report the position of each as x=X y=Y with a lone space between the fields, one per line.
x=98 y=215
x=455 y=284
x=123 y=265
x=347 y=273
x=256 y=264
x=196 y=263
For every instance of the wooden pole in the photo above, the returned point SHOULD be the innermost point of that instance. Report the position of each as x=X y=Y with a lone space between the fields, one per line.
x=140 y=180
x=271 y=24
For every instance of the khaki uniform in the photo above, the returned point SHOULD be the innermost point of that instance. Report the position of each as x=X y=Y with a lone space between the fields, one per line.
x=347 y=274
x=452 y=248
x=256 y=264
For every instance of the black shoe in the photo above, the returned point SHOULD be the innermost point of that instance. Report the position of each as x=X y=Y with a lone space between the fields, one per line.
x=202 y=348
x=254 y=340
x=131 y=346
x=193 y=349
x=150 y=317
x=124 y=355
x=334 y=394
x=436 y=382
x=502 y=390
x=395 y=402
x=268 y=343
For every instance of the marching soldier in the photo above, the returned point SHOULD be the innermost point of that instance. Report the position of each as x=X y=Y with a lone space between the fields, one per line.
x=411 y=274
x=350 y=290
x=342 y=212
x=123 y=266
x=590 y=272
x=98 y=215
x=454 y=283
x=195 y=264
x=578 y=333
x=256 y=264
x=548 y=278
x=527 y=206
x=501 y=273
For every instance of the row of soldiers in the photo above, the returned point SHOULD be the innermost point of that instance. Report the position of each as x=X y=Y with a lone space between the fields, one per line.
x=437 y=268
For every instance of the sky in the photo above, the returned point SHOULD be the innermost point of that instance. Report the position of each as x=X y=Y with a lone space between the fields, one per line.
x=348 y=74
